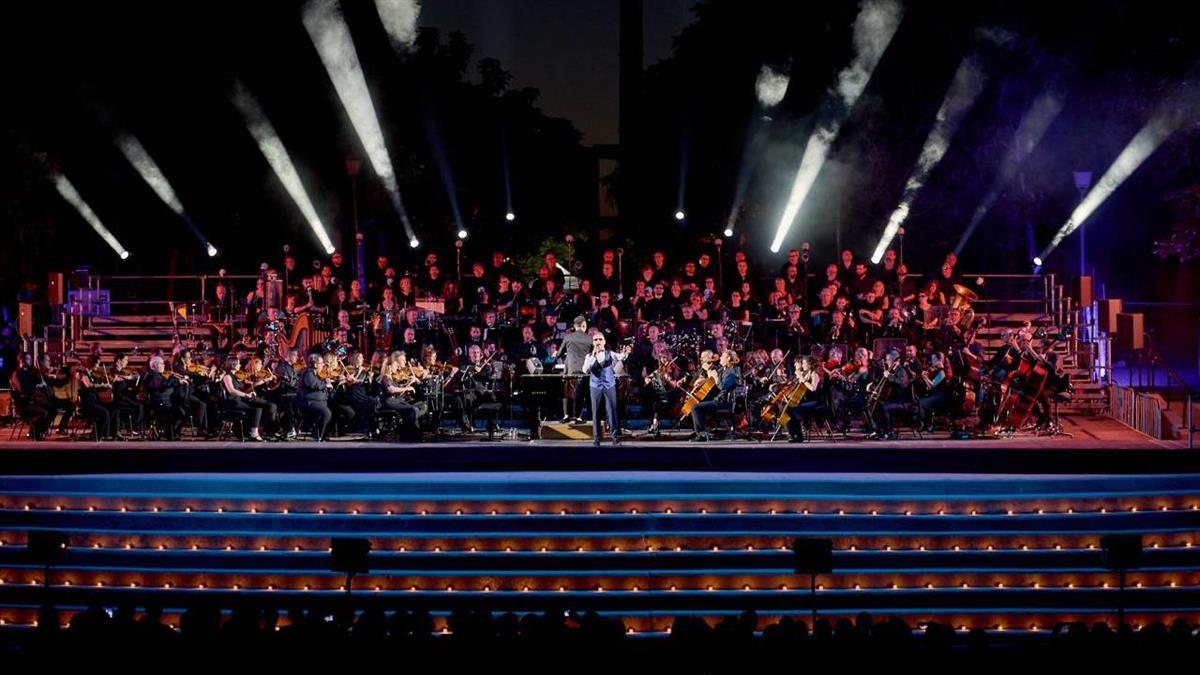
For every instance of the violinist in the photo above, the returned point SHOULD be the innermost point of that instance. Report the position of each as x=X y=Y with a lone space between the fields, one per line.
x=237 y=397
x=891 y=393
x=936 y=396
x=849 y=395
x=194 y=392
x=91 y=391
x=42 y=403
x=476 y=392
x=161 y=386
x=125 y=380
x=353 y=390
x=396 y=391
x=728 y=378
x=314 y=396
x=286 y=393
x=662 y=389
x=807 y=373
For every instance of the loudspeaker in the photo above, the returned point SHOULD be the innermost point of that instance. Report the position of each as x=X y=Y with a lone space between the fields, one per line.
x=1107 y=315
x=56 y=290
x=1122 y=551
x=812 y=556
x=349 y=555
x=1130 y=332
x=25 y=319
x=1082 y=291
x=47 y=547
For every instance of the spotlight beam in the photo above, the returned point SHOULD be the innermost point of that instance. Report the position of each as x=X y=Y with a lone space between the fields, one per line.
x=874 y=28
x=1032 y=128
x=71 y=195
x=277 y=156
x=1138 y=150
x=154 y=177
x=331 y=37
x=964 y=89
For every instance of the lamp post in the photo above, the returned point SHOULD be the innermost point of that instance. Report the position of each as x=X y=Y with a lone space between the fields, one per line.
x=1083 y=181
x=353 y=168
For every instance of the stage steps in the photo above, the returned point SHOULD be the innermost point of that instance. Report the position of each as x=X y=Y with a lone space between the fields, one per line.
x=644 y=546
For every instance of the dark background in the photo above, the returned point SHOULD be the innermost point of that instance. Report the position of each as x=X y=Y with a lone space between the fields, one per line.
x=80 y=72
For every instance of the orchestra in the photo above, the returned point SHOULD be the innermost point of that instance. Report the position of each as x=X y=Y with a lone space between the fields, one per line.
x=853 y=349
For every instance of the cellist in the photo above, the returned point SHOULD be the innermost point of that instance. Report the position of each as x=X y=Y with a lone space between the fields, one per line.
x=809 y=376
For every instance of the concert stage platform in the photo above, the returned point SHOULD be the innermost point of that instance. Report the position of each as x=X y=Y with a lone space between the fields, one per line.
x=1099 y=445
x=981 y=533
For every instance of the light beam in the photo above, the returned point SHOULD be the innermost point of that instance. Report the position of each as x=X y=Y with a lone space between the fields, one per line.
x=964 y=89
x=277 y=156
x=1138 y=150
x=331 y=38
x=1032 y=128
x=150 y=172
x=874 y=27
x=71 y=195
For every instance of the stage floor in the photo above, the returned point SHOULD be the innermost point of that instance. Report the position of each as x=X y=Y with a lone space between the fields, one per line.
x=1099 y=445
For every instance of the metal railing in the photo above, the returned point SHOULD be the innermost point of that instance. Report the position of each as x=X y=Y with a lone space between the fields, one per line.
x=1142 y=412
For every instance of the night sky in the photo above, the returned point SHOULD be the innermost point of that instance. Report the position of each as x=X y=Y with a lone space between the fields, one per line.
x=533 y=38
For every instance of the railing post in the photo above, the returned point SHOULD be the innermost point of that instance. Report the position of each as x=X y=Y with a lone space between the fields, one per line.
x=1188 y=417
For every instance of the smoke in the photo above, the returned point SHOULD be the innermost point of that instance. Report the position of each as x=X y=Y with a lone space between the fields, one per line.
x=1168 y=118
x=964 y=89
x=771 y=86
x=71 y=195
x=874 y=27
x=149 y=171
x=1033 y=126
x=399 y=18
x=873 y=30
x=331 y=37
x=277 y=156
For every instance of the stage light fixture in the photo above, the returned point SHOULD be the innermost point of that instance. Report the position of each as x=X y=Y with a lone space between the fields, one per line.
x=1168 y=118
x=964 y=89
x=510 y=216
x=71 y=195
x=462 y=234
x=331 y=37
x=874 y=27
x=212 y=251
x=271 y=146
x=414 y=242
x=728 y=232
x=680 y=215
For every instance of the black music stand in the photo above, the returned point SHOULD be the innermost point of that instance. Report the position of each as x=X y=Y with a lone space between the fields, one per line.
x=1121 y=553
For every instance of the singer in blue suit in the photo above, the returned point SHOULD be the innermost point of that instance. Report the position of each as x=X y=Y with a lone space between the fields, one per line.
x=603 y=384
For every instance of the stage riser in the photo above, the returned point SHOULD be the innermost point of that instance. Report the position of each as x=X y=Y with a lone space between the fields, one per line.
x=657 y=545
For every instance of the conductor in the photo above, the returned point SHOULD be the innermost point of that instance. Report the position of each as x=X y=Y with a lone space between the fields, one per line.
x=603 y=384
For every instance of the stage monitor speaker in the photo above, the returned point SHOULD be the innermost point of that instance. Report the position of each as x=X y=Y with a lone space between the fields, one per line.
x=1107 y=316
x=349 y=555
x=1130 y=332
x=56 y=289
x=25 y=319
x=812 y=556
x=47 y=547
x=1122 y=551
x=1082 y=291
